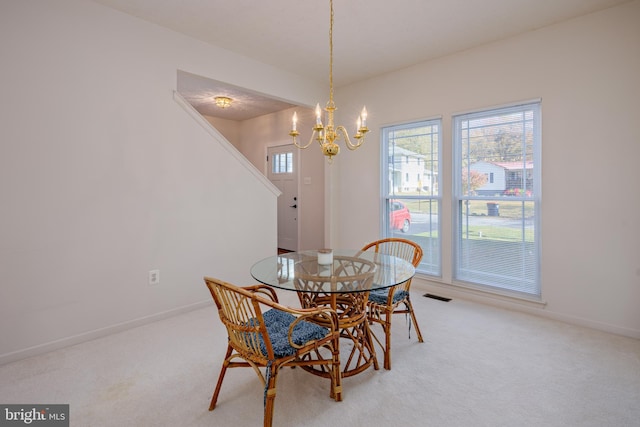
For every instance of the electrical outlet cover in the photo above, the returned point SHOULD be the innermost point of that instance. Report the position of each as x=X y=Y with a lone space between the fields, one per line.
x=154 y=277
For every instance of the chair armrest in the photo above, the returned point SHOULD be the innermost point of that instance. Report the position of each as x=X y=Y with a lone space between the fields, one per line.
x=263 y=291
x=327 y=316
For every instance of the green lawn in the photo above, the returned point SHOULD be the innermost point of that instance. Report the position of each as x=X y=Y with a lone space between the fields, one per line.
x=508 y=208
x=505 y=234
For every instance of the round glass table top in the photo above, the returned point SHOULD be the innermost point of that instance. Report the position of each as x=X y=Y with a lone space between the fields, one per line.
x=336 y=273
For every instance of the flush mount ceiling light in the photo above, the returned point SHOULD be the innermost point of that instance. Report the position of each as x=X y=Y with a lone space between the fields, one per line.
x=326 y=135
x=223 y=101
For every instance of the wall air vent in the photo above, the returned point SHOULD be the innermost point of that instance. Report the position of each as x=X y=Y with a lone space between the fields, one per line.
x=438 y=297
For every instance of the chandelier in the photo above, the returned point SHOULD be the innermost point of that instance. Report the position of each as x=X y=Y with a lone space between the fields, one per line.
x=328 y=134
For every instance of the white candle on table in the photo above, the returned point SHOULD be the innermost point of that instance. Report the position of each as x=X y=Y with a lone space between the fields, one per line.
x=325 y=257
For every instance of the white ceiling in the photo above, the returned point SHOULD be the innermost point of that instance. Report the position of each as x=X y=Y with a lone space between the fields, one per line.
x=371 y=37
x=200 y=92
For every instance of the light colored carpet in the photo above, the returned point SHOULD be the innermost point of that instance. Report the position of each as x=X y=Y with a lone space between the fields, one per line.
x=478 y=366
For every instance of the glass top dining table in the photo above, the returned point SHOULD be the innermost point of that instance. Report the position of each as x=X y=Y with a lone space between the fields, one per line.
x=342 y=282
x=280 y=271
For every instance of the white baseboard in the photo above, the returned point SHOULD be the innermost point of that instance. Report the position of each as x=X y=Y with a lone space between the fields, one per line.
x=97 y=333
x=525 y=306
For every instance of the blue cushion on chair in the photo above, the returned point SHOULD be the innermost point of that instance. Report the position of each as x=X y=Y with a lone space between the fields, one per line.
x=278 y=323
x=379 y=296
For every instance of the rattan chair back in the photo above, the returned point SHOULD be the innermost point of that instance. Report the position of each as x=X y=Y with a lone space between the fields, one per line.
x=396 y=299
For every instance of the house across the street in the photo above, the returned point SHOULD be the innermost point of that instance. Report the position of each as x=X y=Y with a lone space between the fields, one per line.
x=505 y=178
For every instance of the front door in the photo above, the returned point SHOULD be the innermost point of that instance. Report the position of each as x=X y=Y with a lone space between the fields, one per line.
x=283 y=172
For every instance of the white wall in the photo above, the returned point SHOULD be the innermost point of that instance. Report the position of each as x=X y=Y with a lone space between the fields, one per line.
x=587 y=73
x=229 y=128
x=272 y=130
x=103 y=176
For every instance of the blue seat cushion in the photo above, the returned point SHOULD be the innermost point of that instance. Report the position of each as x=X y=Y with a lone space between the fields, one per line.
x=379 y=296
x=278 y=323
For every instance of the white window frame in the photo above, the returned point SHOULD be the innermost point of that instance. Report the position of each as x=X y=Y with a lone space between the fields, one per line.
x=432 y=247
x=529 y=287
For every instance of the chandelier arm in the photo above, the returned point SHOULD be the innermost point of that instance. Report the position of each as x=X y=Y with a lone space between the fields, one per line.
x=347 y=141
x=313 y=136
x=294 y=135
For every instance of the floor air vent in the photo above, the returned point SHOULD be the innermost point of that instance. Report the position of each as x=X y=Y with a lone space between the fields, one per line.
x=438 y=297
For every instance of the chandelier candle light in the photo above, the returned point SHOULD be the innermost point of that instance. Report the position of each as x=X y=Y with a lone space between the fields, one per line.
x=329 y=134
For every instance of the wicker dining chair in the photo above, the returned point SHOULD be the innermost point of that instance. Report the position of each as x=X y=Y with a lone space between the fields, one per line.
x=384 y=303
x=265 y=334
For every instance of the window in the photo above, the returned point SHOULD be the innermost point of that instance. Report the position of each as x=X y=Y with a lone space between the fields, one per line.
x=411 y=208
x=497 y=241
x=282 y=163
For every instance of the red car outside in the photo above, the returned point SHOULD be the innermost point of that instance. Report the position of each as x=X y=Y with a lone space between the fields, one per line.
x=399 y=216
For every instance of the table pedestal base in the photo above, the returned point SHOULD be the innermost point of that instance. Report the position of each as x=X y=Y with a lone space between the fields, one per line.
x=357 y=352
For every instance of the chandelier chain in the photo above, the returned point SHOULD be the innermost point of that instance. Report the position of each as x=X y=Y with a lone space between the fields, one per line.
x=331 y=56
